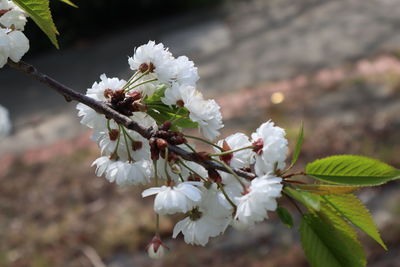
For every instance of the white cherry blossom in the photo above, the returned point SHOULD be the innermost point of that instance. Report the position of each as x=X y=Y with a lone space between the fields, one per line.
x=156 y=55
x=261 y=197
x=173 y=199
x=272 y=150
x=242 y=158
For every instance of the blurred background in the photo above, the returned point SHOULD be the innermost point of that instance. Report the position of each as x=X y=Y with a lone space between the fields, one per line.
x=333 y=64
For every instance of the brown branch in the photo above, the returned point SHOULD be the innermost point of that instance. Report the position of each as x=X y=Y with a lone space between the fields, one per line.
x=101 y=107
x=70 y=95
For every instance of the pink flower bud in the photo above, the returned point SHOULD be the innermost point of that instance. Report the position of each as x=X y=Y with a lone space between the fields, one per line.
x=156 y=248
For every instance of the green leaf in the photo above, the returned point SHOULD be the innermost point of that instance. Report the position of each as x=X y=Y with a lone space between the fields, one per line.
x=333 y=218
x=350 y=207
x=68 y=2
x=285 y=216
x=39 y=11
x=326 y=245
x=156 y=97
x=299 y=143
x=328 y=189
x=161 y=112
x=309 y=200
x=352 y=170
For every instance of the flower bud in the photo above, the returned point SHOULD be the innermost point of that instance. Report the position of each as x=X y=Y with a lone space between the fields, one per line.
x=258 y=146
x=156 y=248
x=214 y=176
x=113 y=134
x=228 y=157
x=108 y=93
x=180 y=103
x=135 y=95
x=146 y=67
x=154 y=151
x=161 y=143
x=136 y=145
x=166 y=126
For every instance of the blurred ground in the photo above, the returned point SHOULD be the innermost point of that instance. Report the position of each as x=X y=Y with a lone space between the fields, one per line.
x=333 y=64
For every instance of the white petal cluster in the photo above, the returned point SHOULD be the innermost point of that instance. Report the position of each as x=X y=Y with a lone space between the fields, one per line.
x=161 y=95
x=177 y=172
x=90 y=117
x=204 y=112
x=5 y=123
x=123 y=172
x=185 y=72
x=156 y=67
x=242 y=158
x=261 y=197
x=13 y=42
x=274 y=148
x=13 y=17
x=125 y=156
x=208 y=219
x=173 y=199
x=156 y=55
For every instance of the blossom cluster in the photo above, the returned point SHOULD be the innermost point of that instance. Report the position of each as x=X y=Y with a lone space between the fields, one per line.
x=13 y=42
x=162 y=94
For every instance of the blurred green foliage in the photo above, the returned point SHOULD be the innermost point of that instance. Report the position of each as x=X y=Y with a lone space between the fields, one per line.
x=94 y=18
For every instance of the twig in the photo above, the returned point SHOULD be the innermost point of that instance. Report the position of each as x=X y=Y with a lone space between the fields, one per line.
x=294 y=203
x=110 y=113
x=70 y=95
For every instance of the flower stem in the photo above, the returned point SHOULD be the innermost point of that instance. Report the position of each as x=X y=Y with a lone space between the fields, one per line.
x=231 y=172
x=127 y=134
x=135 y=80
x=139 y=84
x=176 y=118
x=190 y=169
x=294 y=203
x=191 y=148
x=230 y=151
x=155 y=172
x=118 y=139
x=108 y=125
x=166 y=166
x=126 y=143
x=156 y=182
x=205 y=141
x=220 y=187
x=130 y=79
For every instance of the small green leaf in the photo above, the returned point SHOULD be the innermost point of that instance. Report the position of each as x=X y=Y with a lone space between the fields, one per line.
x=352 y=170
x=161 y=112
x=350 y=207
x=39 y=11
x=328 y=189
x=156 y=97
x=68 y=2
x=285 y=216
x=309 y=200
x=326 y=245
x=299 y=143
